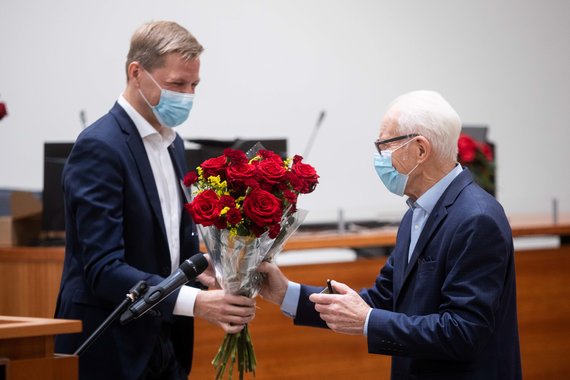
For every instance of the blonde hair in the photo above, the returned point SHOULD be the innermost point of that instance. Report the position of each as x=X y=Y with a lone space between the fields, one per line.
x=152 y=41
x=430 y=115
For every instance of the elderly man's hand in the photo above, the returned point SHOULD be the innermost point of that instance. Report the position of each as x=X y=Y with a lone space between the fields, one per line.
x=274 y=284
x=344 y=312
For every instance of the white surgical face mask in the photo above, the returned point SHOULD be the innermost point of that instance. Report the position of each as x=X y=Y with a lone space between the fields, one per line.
x=394 y=181
x=173 y=107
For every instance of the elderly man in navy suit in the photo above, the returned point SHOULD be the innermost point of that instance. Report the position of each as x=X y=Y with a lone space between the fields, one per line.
x=125 y=220
x=444 y=305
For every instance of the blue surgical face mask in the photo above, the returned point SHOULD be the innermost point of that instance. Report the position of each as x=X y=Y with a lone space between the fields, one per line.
x=173 y=107
x=394 y=181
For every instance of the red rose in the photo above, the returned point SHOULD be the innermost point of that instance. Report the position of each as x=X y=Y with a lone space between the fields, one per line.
x=233 y=216
x=221 y=223
x=256 y=230
x=214 y=166
x=3 y=110
x=238 y=174
x=271 y=171
x=262 y=208
x=205 y=208
x=296 y=182
x=252 y=183
x=274 y=231
x=269 y=155
x=467 y=149
x=190 y=178
x=227 y=201
x=235 y=156
x=487 y=151
x=307 y=174
x=290 y=196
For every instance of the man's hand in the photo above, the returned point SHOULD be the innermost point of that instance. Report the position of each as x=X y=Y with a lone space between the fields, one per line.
x=275 y=283
x=230 y=312
x=344 y=312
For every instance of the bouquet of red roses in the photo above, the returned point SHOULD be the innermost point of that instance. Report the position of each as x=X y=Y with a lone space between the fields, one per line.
x=246 y=207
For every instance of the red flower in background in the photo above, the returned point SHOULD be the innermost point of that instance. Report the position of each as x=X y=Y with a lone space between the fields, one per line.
x=3 y=110
x=479 y=158
x=467 y=148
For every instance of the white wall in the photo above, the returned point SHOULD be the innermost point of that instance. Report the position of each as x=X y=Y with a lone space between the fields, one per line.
x=271 y=66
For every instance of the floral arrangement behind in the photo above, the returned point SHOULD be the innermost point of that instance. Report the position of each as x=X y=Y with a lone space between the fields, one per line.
x=246 y=207
x=479 y=158
x=3 y=110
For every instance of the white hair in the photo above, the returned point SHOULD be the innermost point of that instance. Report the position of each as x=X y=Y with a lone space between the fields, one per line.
x=430 y=115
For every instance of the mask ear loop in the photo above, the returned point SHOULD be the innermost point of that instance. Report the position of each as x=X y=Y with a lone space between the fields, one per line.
x=152 y=78
x=155 y=82
x=404 y=144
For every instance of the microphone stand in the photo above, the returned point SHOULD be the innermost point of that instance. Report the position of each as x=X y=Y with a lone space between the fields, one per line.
x=134 y=294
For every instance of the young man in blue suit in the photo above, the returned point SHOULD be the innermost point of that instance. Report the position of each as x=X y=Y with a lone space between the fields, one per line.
x=444 y=305
x=125 y=220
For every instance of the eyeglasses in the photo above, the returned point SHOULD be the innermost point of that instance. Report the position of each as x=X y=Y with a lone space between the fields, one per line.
x=377 y=143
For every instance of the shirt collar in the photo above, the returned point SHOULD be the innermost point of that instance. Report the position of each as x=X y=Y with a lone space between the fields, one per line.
x=143 y=126
x=428 y=199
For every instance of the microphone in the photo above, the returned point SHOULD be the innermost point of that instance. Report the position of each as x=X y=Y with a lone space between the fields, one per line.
x=83 y=119
x=314 y=134
x=189 y=270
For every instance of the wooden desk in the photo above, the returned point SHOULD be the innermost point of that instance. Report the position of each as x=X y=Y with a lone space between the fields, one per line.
x=27 y=347
x=522 y=226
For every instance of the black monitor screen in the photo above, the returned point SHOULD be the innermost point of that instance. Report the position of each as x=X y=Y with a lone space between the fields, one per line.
x=53 y=216
x=208 y=148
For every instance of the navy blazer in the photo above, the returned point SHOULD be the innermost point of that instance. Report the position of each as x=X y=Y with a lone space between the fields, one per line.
x=115 y=237
x=450 y=313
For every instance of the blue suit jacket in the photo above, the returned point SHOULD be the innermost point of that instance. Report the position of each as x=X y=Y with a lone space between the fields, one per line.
x=450 y=313
x=115 y=237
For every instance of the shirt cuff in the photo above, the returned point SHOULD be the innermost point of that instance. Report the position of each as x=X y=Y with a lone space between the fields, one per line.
x=291 y=299
x=185 y=301
x=366 y=322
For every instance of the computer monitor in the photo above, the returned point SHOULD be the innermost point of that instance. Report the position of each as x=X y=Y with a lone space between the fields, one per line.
x=209 y=148
x=53 y=215
x=478 y=132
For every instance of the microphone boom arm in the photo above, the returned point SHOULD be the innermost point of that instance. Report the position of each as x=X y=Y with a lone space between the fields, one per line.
x=134 y=294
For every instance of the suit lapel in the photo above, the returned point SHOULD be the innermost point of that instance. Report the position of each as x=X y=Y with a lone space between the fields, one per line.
x=175 y=163
x=437 y=216
x=138 y=151
x=401 y=258
x=434 y=220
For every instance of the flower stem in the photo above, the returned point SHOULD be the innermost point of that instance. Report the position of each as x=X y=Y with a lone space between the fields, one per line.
x=235 y=347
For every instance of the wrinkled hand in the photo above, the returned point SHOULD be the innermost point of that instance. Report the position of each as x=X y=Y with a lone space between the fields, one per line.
x=344 y=312
x=208 y=277
x=274 y=285
x=229 y=312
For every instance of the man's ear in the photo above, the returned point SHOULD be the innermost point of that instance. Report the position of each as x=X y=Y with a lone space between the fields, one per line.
x=134 y=71
x=424 y=148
